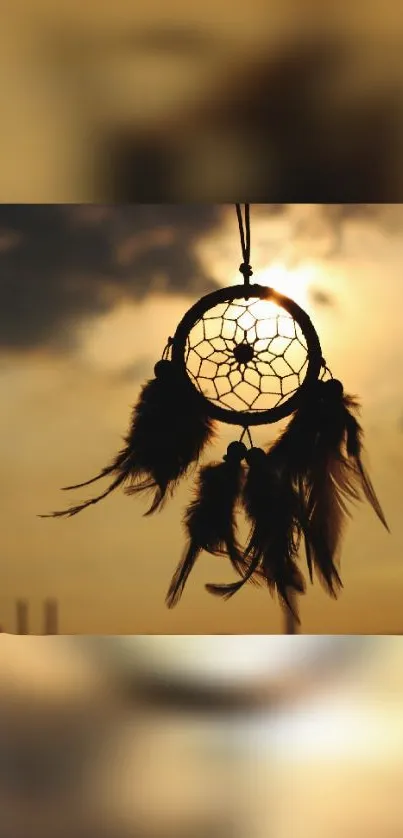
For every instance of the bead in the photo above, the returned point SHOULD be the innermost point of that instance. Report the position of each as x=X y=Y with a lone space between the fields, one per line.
x=243 y=353
x=235 y=451
x=162 y=369
x=333 y=389
x=255 y=456
x=245 y=269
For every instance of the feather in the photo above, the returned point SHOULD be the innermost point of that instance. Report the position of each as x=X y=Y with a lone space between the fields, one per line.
x=168 y=431
x=320 y=449
x=253 y=574
x=210 y=518
x=354 y=445
x=311 y=452
x=325 y=486
x=323 y=525
x=271 y=505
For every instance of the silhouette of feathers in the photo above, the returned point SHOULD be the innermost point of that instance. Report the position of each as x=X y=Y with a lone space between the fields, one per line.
x=302 y=488
x=271 y=505
x=321 y=449
x=325 y=513
x=354 y=446
x=169 y=429
x=210 y=521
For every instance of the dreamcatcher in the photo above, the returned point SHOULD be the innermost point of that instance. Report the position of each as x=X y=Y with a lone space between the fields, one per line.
x=246 y=355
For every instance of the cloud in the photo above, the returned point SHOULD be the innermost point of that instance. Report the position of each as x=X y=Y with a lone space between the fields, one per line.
x=321 y=298
x=62 y=264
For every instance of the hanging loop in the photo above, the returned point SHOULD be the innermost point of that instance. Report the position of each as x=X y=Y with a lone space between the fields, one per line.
x=246 y=433
x=244 y=232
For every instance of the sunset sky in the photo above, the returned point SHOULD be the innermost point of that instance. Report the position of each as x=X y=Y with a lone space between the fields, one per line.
x=89 y=295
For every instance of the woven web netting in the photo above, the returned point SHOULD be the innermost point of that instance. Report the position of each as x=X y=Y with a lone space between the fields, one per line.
x=246 y=355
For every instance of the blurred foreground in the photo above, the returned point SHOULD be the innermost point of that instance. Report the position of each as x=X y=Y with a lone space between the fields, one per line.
x=298 y=101
x=201 y=736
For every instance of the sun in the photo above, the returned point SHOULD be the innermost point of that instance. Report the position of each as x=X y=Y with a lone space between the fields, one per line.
x=294 y=283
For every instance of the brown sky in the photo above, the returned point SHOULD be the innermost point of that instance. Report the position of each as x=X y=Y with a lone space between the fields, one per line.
x=79 y=333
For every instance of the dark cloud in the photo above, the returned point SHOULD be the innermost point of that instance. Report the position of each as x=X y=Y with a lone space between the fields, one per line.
x=60 y=264
x=321 y=298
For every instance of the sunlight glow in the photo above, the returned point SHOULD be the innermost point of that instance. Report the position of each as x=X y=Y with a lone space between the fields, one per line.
x=294 y=283
x=291 y=282
x=344 y=728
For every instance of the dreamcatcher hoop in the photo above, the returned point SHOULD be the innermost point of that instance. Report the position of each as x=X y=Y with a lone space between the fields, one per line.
x=237 y=292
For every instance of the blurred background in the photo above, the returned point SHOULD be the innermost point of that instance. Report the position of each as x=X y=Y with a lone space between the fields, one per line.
x=88 y=298
x=194 y=737
x=287 y=101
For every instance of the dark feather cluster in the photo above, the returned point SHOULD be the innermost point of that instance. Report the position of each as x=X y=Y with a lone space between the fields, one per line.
x=321 y=451
x=301 y=490
x=271 y=506
x=168 y=431
x=210 y=518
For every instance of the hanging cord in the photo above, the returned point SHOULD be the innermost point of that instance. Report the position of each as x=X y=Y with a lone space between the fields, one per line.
x=246 y=433
x=245 y=270
x=244 y=232
x=325 y=372
x=167 y=351
x=290 y=622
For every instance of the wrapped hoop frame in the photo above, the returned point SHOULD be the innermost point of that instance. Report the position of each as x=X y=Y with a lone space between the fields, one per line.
x=241 y=292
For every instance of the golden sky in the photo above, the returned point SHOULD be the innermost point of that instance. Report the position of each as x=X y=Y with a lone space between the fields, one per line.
x=87 y=313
